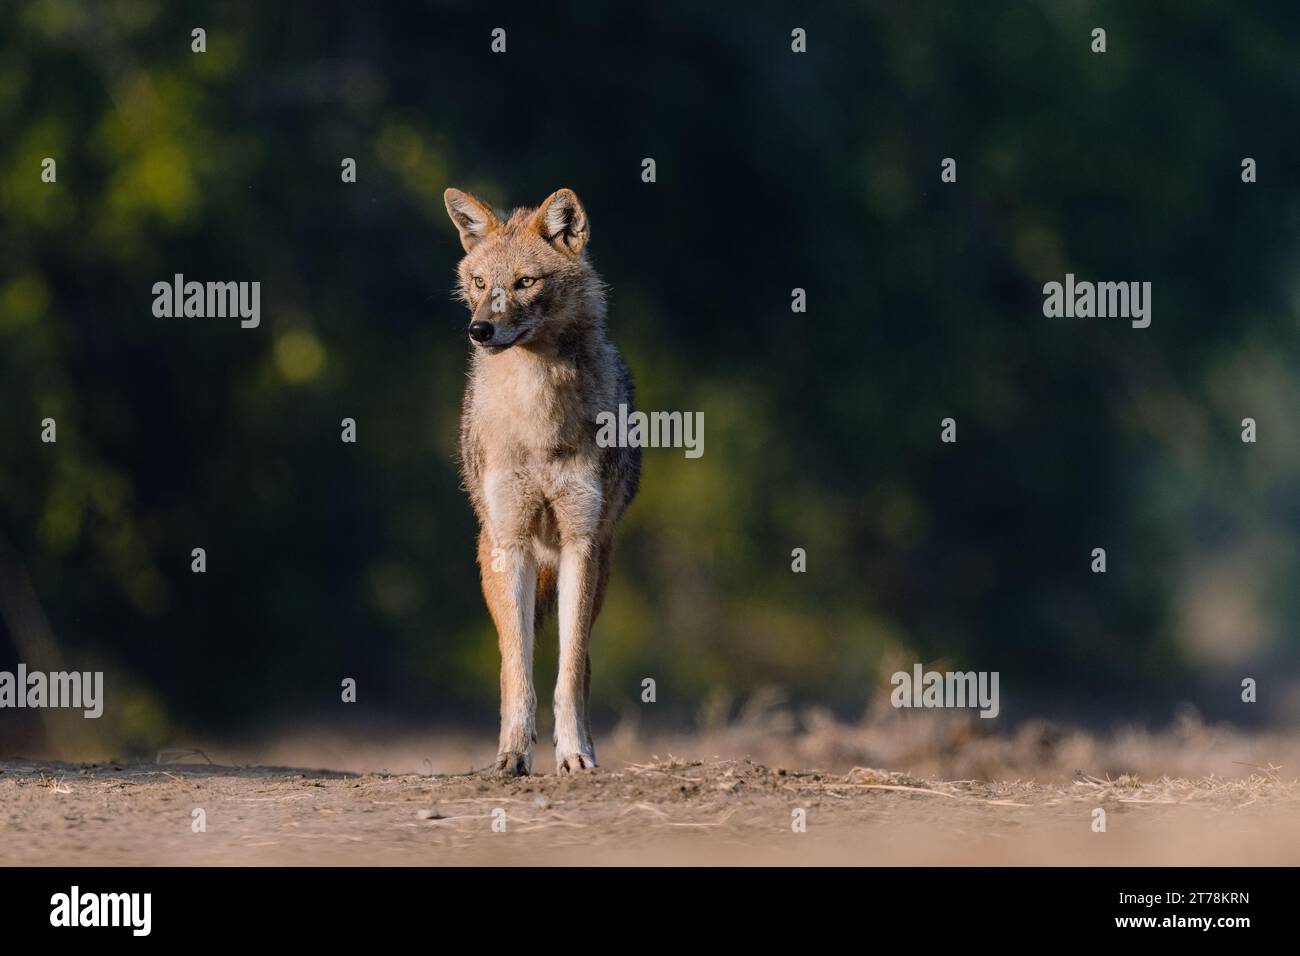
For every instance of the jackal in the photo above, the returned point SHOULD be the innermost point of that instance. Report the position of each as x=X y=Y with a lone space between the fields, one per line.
x=547 y=496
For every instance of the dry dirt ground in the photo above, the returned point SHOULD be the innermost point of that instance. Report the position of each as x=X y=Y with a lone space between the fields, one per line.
x=1192 y=795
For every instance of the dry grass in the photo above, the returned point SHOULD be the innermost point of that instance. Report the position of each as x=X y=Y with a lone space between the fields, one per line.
x=1192 y=794
x=930 y=745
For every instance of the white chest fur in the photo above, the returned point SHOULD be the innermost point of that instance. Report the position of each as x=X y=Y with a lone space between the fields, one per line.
x=525 y=416
x=518 y=404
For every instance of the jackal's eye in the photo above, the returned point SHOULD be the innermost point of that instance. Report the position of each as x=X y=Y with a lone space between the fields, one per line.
x=479 y=283
x=524 y=282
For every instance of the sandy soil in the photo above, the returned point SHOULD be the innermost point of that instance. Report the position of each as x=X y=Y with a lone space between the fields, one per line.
x=1236 y=806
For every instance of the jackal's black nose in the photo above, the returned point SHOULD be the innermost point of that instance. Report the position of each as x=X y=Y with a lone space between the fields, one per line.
x=481 y=331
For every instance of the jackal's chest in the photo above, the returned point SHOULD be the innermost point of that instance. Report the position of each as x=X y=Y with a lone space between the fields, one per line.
x=526 y=407
x=540 y=471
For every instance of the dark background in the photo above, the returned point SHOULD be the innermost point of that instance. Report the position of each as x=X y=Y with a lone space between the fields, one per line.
x=775 y=170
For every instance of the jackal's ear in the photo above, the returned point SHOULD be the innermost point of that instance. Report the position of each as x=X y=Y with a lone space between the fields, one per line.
x=473 y=218
x=563 y=222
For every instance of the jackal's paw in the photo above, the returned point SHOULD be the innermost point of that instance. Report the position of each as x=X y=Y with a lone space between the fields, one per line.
x=570 y=763
x=510 y=763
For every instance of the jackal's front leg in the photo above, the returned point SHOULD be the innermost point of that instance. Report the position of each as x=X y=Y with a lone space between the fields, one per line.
x=574 y=749
x=510 y=585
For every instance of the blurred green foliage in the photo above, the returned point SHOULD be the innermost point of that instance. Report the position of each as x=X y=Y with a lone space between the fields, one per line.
x=775 y=170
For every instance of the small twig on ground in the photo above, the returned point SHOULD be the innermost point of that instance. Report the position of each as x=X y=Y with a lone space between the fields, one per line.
x=183 y=753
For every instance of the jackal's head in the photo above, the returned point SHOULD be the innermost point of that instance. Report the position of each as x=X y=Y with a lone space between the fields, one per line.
x=525 y=277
